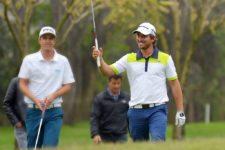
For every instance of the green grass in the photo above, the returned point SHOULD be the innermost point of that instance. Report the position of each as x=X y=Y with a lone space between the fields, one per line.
x=78 y=134
x=216 y=129
x=198 y=136
x=189 y=144
x=6 y=138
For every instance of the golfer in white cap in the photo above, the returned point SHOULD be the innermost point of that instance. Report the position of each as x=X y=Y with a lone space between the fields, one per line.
x=44 y=77
x=147 y=69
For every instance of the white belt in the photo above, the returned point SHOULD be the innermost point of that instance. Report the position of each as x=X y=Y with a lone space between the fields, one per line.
x=144 y=106
x=49 y=107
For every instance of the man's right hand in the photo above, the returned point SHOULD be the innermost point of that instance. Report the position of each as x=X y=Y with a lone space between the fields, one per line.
x=97 y=139
x=96 y=53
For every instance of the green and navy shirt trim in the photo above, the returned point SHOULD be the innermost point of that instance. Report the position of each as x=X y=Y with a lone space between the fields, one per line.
x=140 y=56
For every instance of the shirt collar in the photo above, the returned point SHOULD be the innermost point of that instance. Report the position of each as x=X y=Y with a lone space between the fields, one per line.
x=154 y=54
x=55 y=57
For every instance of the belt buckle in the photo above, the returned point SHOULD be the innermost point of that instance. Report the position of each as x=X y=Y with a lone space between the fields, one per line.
x=145 y=106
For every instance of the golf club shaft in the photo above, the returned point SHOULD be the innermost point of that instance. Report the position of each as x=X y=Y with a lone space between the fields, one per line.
x=95 y=33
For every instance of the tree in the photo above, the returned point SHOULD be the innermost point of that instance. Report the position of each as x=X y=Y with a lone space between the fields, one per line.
x=191 y=20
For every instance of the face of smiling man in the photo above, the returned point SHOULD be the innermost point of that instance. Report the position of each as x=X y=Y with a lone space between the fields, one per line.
x=144 y=41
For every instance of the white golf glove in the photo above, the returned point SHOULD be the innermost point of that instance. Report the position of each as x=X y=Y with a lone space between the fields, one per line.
x=180 y=119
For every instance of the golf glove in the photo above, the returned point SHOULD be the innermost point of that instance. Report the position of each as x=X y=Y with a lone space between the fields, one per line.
x=180 y=119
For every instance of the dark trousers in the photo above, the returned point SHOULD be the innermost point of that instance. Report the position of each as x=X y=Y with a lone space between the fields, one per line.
x=114 y=138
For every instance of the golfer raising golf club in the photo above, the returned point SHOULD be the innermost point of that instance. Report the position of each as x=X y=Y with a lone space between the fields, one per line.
x=44 y=77
x=147 y=70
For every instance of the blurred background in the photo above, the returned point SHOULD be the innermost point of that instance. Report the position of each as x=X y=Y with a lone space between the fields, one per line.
x=192 y=31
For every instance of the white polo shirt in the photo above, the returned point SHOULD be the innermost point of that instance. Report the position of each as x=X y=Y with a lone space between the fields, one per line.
x=147 y=77
x=45 y=77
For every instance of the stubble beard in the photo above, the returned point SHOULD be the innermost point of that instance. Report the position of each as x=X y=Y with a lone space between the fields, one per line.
x=144 y=46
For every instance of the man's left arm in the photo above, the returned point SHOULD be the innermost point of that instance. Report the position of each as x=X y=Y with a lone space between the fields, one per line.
x=68 y=80
x=178 y=97
x=60 y=92
x=177 y=94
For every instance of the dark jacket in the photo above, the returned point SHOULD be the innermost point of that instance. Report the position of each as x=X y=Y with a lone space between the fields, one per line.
x=13 y=104
x=109 y=116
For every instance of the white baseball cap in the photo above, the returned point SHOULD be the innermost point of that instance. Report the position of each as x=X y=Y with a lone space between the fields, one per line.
x=146 y=29
x=47 y=30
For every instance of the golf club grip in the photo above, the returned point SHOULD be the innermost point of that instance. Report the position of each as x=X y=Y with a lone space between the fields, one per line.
x=98 y=58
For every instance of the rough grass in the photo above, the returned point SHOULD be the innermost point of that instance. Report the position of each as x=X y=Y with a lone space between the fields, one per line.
x=199 y=136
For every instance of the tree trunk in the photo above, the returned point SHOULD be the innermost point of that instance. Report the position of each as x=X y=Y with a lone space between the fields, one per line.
x=78 y=103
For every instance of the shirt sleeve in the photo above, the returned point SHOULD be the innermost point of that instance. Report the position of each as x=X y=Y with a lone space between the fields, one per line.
x=24 y=69
x=171 y=73
x=68 y=74
x=120 y=65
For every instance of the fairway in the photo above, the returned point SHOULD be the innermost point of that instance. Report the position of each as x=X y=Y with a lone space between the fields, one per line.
x=199 y=136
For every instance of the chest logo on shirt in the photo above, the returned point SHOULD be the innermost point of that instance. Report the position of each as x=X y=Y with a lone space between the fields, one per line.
x=57 y=71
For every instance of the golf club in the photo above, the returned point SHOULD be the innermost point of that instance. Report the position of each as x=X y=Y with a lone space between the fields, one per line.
x=39 y=129
x=95 y=33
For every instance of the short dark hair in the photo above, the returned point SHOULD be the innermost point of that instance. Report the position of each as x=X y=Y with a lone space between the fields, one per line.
x=115 y=76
